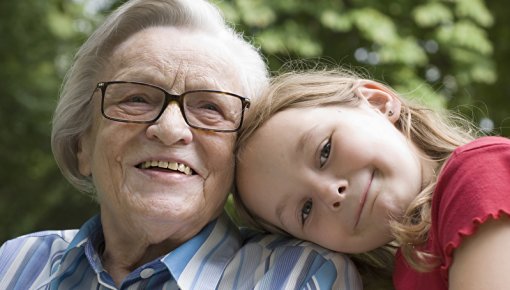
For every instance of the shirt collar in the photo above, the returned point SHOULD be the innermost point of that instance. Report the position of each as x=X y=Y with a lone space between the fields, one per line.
x=88 y=241
x=199 y=263
x=76 y=248
x=90 y=230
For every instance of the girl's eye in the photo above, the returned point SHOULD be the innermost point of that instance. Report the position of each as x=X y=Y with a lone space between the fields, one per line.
x=305 y=210
x=324 y=154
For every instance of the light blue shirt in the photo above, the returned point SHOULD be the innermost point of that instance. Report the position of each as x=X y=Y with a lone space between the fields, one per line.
x=216 y=258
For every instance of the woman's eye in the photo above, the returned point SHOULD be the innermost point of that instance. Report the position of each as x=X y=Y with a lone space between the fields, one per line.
x=324 y=154
x=210 y=106
x=136 y=99
x=305 y=210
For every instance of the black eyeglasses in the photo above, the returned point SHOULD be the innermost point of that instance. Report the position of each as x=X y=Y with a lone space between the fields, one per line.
x=135 y=102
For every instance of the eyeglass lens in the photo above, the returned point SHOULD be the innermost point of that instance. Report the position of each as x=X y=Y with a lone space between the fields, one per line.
x=143 y=103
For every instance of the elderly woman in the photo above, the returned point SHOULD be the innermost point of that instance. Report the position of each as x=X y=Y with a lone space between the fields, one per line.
x=146 y=122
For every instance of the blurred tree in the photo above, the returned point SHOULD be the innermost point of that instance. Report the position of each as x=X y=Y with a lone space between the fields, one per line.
x=38 y=39
x=432 y=50
x=493 y=100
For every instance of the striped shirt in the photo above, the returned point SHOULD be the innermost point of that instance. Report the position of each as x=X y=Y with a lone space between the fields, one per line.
x=216 y=258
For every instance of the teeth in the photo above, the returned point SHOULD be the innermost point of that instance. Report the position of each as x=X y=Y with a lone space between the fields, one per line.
x=170 y=165
x=173 y=165
x=185 y=169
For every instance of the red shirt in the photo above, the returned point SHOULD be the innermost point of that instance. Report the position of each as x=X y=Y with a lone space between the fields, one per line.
x=473 y=187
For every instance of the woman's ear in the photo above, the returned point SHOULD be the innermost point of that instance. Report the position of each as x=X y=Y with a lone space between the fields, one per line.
x=84 y=156
x=381 y=98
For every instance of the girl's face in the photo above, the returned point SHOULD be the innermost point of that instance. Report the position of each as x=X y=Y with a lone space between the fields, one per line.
x=331 y=175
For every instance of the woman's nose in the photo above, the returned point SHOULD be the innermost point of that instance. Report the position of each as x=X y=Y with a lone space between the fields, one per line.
x=171 y=128
x=333 y=195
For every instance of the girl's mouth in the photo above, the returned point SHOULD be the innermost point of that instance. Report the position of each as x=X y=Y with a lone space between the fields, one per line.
x=363 y=200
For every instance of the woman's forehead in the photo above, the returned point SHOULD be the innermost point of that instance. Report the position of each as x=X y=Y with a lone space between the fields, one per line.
x=177 y=59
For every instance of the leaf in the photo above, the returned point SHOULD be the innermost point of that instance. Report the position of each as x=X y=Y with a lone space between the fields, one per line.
x=60 y=24
x=336 y=21
x=230 y=12
x=271 y=41
x=475 y=68
x=374 y=25
x=406 y=51
x=484 y=72
x=476 y=10
x=465 y=34
x=255 y=13
x=432 y=14
x=289 y=38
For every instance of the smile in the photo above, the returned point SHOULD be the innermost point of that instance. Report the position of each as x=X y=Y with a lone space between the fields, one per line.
x=175 y=166
x=363 y=200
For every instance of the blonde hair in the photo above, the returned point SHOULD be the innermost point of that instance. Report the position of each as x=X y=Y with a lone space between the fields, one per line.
x=73 y=113
x=436 y=133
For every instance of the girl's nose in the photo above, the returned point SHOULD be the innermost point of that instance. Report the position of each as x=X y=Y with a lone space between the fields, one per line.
x=171 y=128
x=333 y=194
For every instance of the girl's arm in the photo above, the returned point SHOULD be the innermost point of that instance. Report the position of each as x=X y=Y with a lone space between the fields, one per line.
x=483 y=260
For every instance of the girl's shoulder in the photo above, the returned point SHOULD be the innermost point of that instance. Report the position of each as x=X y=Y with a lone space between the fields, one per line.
x=474 y=182
x=482 y=154
x=471 y=188
x=485 y=143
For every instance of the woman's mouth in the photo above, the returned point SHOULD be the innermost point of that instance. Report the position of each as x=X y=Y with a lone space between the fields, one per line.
x=164 y=165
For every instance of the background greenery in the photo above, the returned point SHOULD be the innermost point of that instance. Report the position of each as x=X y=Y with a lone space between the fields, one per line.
x=451 y=54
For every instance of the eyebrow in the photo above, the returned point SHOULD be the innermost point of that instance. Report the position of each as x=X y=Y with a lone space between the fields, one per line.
x=279 y=210
x=305 y=139
x=300 y=147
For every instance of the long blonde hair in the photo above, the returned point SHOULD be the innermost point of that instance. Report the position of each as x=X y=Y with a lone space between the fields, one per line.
x=436 y=133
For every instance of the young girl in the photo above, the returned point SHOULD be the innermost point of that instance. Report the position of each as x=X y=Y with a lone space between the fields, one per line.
x=350 y=165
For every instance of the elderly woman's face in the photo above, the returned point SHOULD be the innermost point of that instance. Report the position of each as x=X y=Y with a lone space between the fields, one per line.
x=114 y=152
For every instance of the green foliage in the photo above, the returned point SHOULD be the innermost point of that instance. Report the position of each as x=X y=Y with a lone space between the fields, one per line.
x=432 y=14
x=36 y=35
x=476 y=10
x=490 y=99
x=426 y=49
x=465 y=35
x=254 y=14
x=291 y=37
x=336 y=21
x=376 y=27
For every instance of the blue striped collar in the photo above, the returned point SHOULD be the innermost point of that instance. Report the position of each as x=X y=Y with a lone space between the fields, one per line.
x=199 y=263
x=196 y=264
x=89 y=229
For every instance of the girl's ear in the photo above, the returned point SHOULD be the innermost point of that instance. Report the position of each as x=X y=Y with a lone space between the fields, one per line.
x=381 y=98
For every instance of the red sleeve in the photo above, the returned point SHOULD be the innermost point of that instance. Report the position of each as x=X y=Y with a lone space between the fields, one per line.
x=473 y=186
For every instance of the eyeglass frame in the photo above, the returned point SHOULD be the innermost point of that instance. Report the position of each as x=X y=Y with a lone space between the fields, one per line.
x=102 y=86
